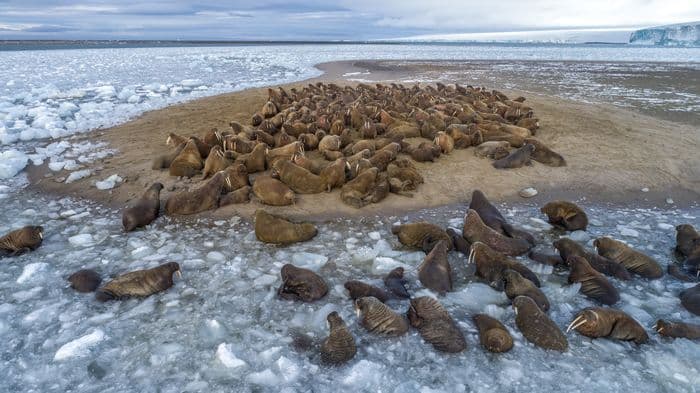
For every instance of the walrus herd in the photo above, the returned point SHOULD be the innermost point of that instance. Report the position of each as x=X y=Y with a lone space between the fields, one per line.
x=361 y=139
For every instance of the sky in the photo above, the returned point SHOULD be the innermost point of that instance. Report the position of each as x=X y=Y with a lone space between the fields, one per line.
x=327 y=20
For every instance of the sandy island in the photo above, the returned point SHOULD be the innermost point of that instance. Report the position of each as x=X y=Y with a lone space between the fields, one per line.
x=612 y=154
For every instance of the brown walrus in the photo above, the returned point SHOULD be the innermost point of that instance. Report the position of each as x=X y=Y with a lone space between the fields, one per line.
x=568 y=248
x=22 y=240
x=490 y=265
x=241 y=195
x=445 y=142
x=516 y=158
x=381 y=159
x=301 y=284
x=311 y=165
x=165 y=160
x=593 y=283
x=277 y=230
x=237 y=177
x=494 y=150
x=272 y=191
x=85 y=280
x=420 y=235
x=492 y=334
x=674 y=270
x=633 y=260
x=357 y=289
x=202 y=199
x=378 y=318
x=545 y=259
x=435 y=272
x=333 y=175
x=396 y=283
x=458 y=242
x=215 y=162
x=544 y=154
x=357 y=192
x=283 y=153
x=188 y=162
x=536 y=326
x=687 y=240
x=596 y=322
x=566 y=215
x=690 y=299
x=490 y=215
x=144 y=211
x=175 y=140
x=476 y=231
x=139 y=283
x=256 y=160
x=404 y=170
x=516 y=285
x=435 y=325
x=297 y=178
x=339 y=347
x=690 y=331
x=329 y=143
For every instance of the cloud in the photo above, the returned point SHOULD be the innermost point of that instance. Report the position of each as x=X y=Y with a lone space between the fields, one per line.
x=321 y=19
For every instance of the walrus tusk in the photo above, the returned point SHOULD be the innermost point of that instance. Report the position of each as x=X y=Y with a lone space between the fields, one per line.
x=580 y=320
x=179 y=273
x=167 y=141
x=41 y=235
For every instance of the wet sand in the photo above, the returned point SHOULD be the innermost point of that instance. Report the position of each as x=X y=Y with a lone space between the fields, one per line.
x=612 y=154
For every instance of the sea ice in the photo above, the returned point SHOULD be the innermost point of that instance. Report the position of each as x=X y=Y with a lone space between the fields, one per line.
x=225 y=355
x=11 y=163
x=77 y=175
x=309 y=260
x=29 y=270
x=108 y=183
x=78 y=347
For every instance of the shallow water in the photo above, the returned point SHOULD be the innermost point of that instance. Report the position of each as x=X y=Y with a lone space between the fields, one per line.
x=221 y=326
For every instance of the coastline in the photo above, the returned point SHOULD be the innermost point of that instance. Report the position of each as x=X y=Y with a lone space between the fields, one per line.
x=612 y=153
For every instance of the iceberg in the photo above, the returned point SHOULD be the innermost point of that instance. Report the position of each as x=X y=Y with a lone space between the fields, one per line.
x=684 y=34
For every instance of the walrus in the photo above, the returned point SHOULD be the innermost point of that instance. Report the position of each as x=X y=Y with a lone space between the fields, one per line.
x=490 y=215
x=476 y=231
x=423 y=152
x=297 y=178
x=311 y=165
x=175 y=140
x=240 y=145
x=236 y=177
x=333 y=175
x=22 y=240
x=492 y=334
x=492 y=136
x=690 y=299
x=378 y=318
x=536 y=326
x=363 y=144
x=277 y=230
x=633 y=260
x=435 y=272
x=204 y=198
x=421 y=235
x=339 y=347
x=459 y=243
x=241 y=195
x=329 y=143
x=381 y=159
x=381 y=189
x=396 y=283
x=139 y=283
x=596 y=322
x=165 y=160
x=255 y=161
x=516 y=158
x=445 y=142
x=284 y=153
x=687 y=240
x=516 y=285
x=188 y=162
x=675 y=271
x=545 y=259
x=215 y=162
x=85 y=280
x=358 y=289
x=404 y=170
x=568 y=248
x=310 y=141
x=353 y=159
x=283 y=139
x=594 y=284
x=494 y=150
x=544 y=154
x=565 y=215
x=263 y=137
x=272 y=191
x=144 y=211
x=256 y=119
x=357 y=191
x=690 y=331
x=491 y=264
x=435 y=325
x=301 y=284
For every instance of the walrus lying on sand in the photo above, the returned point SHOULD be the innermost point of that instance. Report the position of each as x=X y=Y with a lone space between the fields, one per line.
x=272 y=191
x=202 y=199
x=277 y=230
x=435 y=325
x=596 y=322
x=188 y=162
x=516 y=159
x=140 y=283
x=21 y=240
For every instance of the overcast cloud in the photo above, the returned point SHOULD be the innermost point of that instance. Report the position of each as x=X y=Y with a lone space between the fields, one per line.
x=323 y=20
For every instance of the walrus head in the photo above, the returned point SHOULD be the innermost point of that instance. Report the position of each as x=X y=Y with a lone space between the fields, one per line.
x=589 y=323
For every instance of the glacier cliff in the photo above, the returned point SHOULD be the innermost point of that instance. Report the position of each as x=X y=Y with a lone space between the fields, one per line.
x=685 y=34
